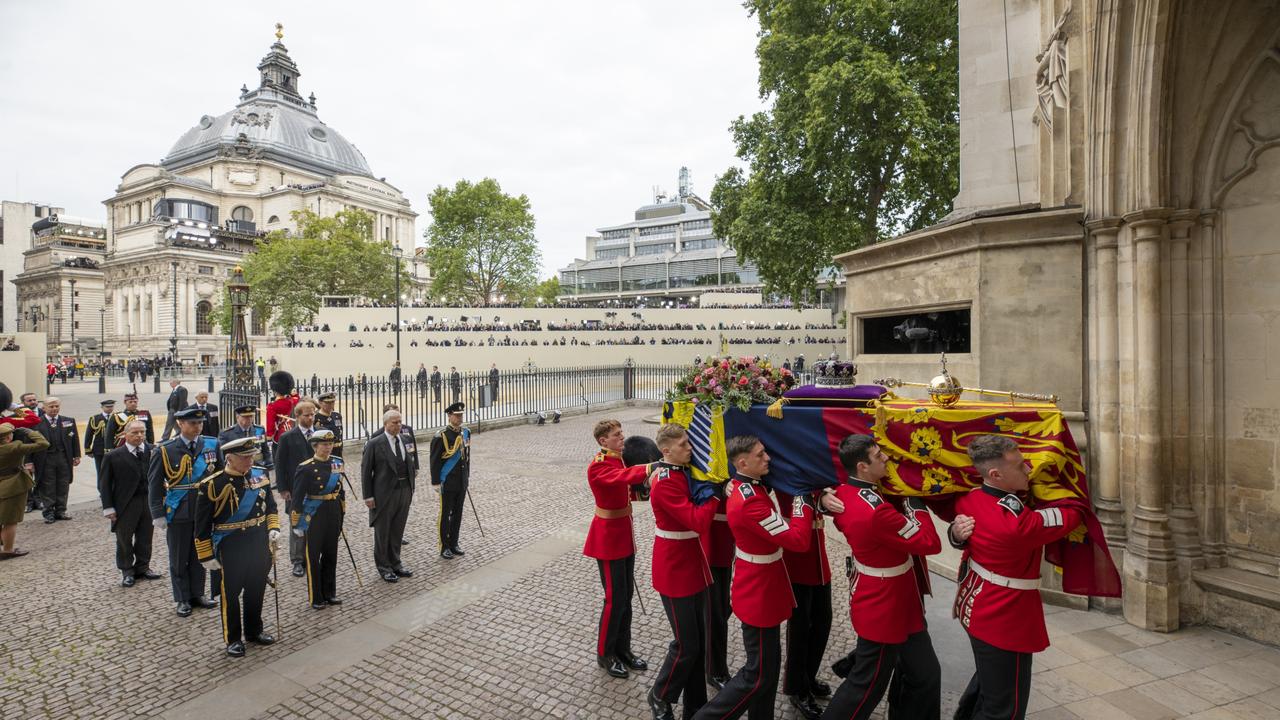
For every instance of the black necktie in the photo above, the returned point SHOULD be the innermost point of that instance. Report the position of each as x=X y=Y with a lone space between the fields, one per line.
x=395 y=443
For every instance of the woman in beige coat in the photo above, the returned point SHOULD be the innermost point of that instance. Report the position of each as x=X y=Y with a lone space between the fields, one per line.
x=15 y=445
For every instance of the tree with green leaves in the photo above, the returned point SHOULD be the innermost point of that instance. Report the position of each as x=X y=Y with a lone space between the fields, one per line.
x=290 y=273
x=480 y=245
x=861 y=138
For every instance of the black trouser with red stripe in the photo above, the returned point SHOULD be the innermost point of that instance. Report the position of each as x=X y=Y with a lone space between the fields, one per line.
x=754 y=688
x=807 y=633
x=999 y=686
x=718 y=612
x=917 y=691
x=614 y=636
x=681 y=672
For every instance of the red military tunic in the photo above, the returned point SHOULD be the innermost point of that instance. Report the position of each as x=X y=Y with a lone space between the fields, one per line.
x=811 y=566
x=680 y=567
x=885 y=601
x=610 y=538
x=761 y=591
x=279 y=415
x=718 y=542
x=1006 y=549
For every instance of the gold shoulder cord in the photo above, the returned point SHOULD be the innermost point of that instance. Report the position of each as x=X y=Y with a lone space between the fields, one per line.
x=226 y=496
x=449 y=450
x=175 y=474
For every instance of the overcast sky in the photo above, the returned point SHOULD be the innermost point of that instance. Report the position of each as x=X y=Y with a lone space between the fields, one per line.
x=583 y=105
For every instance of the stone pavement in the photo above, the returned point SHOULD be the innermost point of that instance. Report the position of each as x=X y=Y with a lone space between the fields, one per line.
x=506 y=632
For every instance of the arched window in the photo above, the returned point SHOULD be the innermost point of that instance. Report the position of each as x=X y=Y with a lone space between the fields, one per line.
x=204 y=318
x=257 y=323
x=242 y=213
x=273 y=219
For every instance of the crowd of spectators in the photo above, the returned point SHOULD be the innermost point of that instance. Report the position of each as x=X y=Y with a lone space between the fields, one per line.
x=574 y=341
x=565 y=326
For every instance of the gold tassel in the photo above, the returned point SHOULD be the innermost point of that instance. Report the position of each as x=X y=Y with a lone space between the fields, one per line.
x=775 y=410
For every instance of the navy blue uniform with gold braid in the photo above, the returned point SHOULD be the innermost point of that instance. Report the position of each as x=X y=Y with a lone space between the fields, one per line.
x=236 y=534
x=451 y=470
x=332 y=421
x=172 y=477
x=322 y=499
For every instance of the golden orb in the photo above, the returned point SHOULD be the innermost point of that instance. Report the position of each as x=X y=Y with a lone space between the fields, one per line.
x=945 y=390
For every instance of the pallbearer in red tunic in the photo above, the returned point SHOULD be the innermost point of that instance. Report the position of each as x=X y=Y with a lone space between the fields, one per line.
x=997 y=597
x=886 y=602
x=680 y=575
x=611 y=543
x=762 y=597
x=718 y=545
x=810 y=624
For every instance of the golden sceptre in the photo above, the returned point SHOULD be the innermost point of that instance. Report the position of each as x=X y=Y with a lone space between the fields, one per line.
x=944 y=390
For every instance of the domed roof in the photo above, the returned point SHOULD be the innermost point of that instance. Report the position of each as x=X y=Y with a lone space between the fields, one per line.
x=271 y=122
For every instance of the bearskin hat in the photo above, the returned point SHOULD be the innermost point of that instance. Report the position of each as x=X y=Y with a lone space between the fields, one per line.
x=280 y=382
x=639 y=450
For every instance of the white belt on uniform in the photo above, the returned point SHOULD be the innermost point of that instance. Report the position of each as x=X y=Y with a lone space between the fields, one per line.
x=889 y=572
x=675 y=534
x=1002 y=581
x=774 y=556
x=721 y=517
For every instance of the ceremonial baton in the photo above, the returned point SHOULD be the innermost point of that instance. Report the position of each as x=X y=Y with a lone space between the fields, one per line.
x=353 y=558
x=275 y=588
x=473 y=511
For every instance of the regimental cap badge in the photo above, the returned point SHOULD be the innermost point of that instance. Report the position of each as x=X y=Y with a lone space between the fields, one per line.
x=834 y=372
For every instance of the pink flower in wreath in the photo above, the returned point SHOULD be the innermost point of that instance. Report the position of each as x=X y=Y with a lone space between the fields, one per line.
x=742 y=381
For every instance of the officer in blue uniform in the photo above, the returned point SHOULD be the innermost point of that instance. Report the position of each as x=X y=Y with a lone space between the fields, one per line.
x=450 y=473
x=317 y=505
x=244 y=427
x=177 y=467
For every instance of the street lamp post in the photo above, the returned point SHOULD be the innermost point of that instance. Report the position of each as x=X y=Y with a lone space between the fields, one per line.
x=173 y=340
x=397 y=252
x=73 y=318
x=102 y=351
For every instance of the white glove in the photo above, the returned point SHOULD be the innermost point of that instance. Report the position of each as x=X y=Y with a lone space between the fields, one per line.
x=159 y=523
x=298 y=532
x=273 y=537
x=211 y=565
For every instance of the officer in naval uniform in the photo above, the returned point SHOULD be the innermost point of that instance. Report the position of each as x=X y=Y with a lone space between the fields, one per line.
x=95 y=434
x=236 y=533
x=177 y=467
x=451 y=472
x=330 y=419
x=316 y=509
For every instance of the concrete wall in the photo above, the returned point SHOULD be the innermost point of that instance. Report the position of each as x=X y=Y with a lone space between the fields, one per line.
x=1020 y=275
x=23 y=370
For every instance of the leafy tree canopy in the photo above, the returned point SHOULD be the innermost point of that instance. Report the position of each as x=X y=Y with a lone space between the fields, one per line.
x=480 y=244
x=290 y=273
x=861 y=139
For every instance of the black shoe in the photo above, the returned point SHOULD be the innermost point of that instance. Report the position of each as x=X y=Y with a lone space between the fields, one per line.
x=236 y=649
x=64 y=516
x=334 y=601
x=404 y=572
x=184 y=609
x=404 y=541
x=263 y=639
x=127 y=581
x=806 y=706
x=820 y=689
x=613 y=666
x=49 y=519
x=298 y=570
x=203 y=602
x=447 y=554
x=632 y=662
x=318 y=605
x=390 y=576
x=147 y=575
x=457 y=551
x=718 y=682
x=661 y=709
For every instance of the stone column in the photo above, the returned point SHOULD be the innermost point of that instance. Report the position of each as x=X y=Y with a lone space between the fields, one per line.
x=1214 y=470
x=1150 y=569
x=1182 y=516
x=1106 y=410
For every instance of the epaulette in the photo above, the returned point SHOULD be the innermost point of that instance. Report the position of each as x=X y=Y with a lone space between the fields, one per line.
x=308 y=460
x=1011 y=503
x=600 y=456
x=663 y=473
x=746 y=490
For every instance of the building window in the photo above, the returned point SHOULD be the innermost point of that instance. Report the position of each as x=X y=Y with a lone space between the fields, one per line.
x=187 y=210
x=240 y=212
x=925 y=333
x=273 y=219
x=204 y=318
x=257 y=323
x=204 y=269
